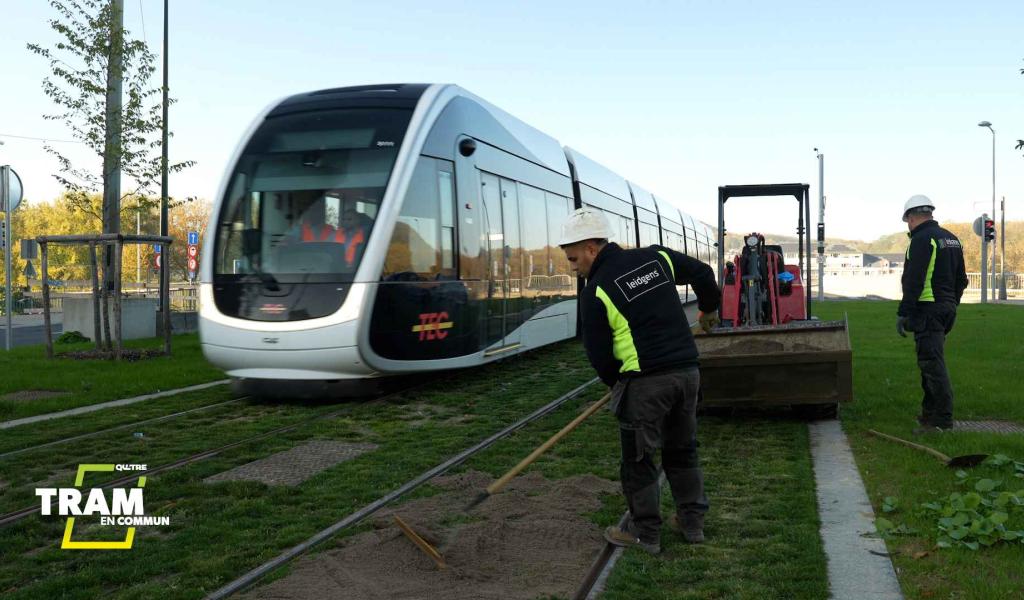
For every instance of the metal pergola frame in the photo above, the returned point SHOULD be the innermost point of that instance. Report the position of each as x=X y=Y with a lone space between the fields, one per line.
x=118 y=241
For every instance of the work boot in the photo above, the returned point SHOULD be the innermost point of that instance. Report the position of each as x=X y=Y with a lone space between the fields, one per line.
x=620 y=537
x=692 y=527
x=929 y=428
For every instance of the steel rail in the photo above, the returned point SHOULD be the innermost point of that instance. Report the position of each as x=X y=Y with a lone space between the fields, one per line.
x=15 y=516
x=593 y=582
x=255 y=574
x=118 y=427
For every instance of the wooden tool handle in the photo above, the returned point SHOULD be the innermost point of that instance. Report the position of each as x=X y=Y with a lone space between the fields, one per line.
x=420 y=542
x=504 y=479
x=893 y=438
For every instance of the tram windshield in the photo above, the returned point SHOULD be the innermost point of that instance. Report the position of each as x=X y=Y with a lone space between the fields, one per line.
x=305 y=194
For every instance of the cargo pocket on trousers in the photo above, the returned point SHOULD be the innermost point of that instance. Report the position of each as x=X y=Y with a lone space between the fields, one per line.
x=617 y=404
x=632 y=444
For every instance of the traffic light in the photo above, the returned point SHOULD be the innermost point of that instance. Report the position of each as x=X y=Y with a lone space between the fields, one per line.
x=990 y=230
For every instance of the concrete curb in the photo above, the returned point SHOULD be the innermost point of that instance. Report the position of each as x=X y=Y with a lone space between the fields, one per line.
x=81 y=410
x=856 y=571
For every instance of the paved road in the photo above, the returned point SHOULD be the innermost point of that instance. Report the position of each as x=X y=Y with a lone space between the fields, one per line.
x=27 y=335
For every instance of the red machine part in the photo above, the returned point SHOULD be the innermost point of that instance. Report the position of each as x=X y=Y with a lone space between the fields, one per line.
x=785 y=300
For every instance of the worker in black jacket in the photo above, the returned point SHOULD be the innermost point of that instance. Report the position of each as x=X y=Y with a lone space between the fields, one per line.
x=934 y=280
x=638 y=339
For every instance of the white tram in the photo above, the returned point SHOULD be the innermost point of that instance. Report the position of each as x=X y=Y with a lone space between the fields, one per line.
x=383 y=230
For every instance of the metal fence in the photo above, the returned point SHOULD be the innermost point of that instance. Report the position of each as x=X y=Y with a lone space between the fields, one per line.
x=1013 y=281
x=184 y=298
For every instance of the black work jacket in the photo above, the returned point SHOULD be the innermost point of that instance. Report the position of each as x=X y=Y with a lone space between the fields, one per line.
x=633 y=320
x=934 y=271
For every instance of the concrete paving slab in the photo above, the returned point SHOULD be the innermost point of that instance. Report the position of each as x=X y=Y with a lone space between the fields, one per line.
x=294 y=466
x=988 y=426
x=855 y=569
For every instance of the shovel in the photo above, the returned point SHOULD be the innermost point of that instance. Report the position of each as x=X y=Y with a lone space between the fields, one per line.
x=956 y=462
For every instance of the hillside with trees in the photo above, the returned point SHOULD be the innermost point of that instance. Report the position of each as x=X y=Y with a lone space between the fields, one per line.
x=895 y=243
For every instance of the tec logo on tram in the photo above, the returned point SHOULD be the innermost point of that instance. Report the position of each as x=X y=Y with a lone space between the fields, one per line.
x=432 y=326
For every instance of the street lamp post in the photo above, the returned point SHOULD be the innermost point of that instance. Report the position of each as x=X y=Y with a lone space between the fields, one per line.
x=821 y=225
x=993 y=269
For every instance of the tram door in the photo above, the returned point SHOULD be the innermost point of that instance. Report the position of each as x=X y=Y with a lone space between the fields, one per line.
x=504 y=255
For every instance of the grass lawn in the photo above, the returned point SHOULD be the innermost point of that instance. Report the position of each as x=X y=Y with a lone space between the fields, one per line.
x=983 y=352
x=762 y=528
x=762 y=531
x=93 y=381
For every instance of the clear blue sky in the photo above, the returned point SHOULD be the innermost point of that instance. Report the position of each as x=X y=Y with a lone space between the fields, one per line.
x=680 y=97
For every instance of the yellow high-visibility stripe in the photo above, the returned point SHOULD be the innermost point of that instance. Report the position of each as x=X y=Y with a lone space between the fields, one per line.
x=927 y=293
x=622 y=336
x=671 y=266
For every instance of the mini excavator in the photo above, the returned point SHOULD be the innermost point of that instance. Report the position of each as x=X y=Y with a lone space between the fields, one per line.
x=769 y=350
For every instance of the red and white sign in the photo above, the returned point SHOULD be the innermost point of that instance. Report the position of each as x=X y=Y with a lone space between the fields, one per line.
x=156 y=260
x=193 y=251
x=192 y=264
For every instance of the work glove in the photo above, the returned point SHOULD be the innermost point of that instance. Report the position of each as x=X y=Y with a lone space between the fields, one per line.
x=902 y=325
x=708 y=321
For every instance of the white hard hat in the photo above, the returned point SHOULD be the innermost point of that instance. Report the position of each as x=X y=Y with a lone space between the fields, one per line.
x=917 y=201
x=584 y=224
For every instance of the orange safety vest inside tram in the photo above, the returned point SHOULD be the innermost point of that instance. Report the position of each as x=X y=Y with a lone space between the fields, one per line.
x=338 y=237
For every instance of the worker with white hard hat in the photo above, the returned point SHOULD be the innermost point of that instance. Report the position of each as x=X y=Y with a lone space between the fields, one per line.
x=934 y=280
x=638 y=339
x=922 y=203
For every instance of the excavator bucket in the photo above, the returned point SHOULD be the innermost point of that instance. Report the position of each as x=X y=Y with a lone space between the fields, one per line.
x=802 y=363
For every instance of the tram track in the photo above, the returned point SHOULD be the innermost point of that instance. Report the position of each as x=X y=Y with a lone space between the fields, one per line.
x=17 y=515
x=91 y=434
x=89 y=408
x=593 y=582
x=356 y=517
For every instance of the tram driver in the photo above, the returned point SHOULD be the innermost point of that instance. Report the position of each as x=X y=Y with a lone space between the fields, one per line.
x=351 y=233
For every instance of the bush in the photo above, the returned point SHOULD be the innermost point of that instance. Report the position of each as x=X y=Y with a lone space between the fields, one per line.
x=72 y=337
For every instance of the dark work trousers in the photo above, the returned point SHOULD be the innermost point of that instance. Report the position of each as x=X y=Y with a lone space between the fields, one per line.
x=659 y=411
x=931 y=323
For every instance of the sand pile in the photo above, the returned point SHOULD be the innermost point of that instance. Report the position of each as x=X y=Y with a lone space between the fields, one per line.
x=532 y=539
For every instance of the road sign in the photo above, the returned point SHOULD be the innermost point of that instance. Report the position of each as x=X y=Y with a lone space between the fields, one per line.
x=29 y=249
x=13 y=191
x=156 y=248
x=193 y=251
x=193 y=238
x=192 y=264
x=30 y=271
x=979 y=225
x=156 y=261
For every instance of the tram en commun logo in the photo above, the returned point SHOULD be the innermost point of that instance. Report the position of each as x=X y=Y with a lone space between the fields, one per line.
x=124 y=507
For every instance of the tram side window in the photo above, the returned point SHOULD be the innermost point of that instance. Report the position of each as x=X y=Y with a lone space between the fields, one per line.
x=558 y=264
x=446 y=189
x=691 y=243
x=629 y=232
x=648 y=235
x=533 y=214
x=422 y=245
x=622 y=229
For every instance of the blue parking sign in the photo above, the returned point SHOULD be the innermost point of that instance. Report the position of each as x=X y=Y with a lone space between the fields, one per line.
x=193 y=238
